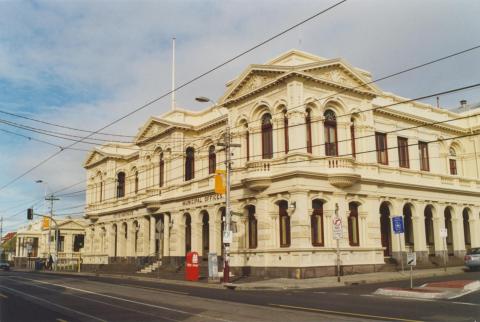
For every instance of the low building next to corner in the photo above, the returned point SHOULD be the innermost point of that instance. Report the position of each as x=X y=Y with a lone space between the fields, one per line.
x=7 y=246
x=318 y=141
x=32 y=241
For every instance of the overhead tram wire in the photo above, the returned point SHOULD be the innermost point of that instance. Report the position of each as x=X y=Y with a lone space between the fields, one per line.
x=171 y=91
x=423 y=124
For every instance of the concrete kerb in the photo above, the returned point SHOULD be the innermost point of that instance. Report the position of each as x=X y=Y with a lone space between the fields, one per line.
x=280 y=284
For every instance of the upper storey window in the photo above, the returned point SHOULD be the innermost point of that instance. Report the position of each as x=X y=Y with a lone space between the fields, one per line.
x=330 y=125
x=308 y=123
x=285 y=130
x=161 y=164
x=423 y=153
x=189 y=164
x=453 y=161
x=136 y=181
x=381 y=145
x=403 y=160
x=352 y=138
x=120 y=184
x=267 y=137
x=212 y=159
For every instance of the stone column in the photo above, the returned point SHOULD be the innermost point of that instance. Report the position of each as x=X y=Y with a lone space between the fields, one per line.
x=152 y=247
x=475 y=227
x=166 y=235
x=196 y=233
x=328 y=213
x=17 y=247
x=398 y=240
x=300 y=220
x=177 y=235
x=264 y=223
x=419 y=238
x=129 y=250
x=363 y=228
x=297 y=131
x=458 y=237
x=438 y=223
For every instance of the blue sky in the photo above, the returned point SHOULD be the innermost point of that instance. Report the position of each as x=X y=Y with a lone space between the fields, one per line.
x=85 y=63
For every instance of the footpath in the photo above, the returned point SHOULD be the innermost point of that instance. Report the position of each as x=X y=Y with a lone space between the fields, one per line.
x=249 y=283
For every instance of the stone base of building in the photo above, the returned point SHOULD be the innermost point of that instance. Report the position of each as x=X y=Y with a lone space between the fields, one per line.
x=127 y=265
x=309 y=272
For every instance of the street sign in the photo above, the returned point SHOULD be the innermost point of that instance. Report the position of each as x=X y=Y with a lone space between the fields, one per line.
x=412 y=259
x=337 y=228
x=227 y=237
x=443 y=232
x=397 y=224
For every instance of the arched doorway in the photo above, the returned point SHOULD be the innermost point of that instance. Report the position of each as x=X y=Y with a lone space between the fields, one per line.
x=385 y=229
x=205 y=234
x=115 y=240
x=466 y=229
x=408 y=223
x=188 y=233
x=429 y=231
x=448 y=226
x=159 y=229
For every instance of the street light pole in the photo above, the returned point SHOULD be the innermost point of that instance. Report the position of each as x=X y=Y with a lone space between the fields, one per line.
x=227 y=144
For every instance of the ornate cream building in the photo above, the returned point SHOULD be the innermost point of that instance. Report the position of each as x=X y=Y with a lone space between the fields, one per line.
x=317 y=140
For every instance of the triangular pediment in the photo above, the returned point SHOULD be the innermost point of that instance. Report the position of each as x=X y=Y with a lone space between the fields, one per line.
x=294 y=57
x=152 y=128
x=71 y=225
x=94 y=157
x=251 y=80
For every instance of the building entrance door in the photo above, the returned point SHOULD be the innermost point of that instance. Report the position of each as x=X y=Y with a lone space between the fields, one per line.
x=385 y=230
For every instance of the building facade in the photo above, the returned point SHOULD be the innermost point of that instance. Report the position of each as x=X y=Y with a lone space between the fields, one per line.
x=318 y=140
x=32 y=241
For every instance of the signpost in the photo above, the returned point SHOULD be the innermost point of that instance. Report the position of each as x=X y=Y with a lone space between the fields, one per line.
x=411 y=261
x=398 y=229
x=443 y=235
x=337 y=235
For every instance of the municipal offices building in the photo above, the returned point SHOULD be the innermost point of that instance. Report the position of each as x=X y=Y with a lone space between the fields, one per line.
x=317 y=140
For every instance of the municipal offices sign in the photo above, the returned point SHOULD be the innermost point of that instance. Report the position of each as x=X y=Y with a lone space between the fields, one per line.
x=201 y=200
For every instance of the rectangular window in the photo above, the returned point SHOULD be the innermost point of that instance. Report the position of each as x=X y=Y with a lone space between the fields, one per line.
x=352 y=135
x=403 y=160
x=381 y=145
x=331 y=140
x=453 y=166
x=423 y=153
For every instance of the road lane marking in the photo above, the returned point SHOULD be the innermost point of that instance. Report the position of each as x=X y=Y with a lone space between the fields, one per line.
x=154 y=289
x=320 y=292
x=127 y=300
x=3 y=296
x=15 y=291
x=367 y=295
x=466 y=303
x=61 y=320
x=343 y=313
x=105 y=303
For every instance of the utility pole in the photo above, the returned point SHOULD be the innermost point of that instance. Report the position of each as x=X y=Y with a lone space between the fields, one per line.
x=228 y=212
x=1 y=237
x=52 y=198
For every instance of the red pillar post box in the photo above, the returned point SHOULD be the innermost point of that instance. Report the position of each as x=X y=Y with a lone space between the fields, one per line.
x=192 y=269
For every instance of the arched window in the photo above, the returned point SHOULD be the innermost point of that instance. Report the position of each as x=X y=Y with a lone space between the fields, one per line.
x=267 y=136
x=252 y=228
x=352 y=137
x=466 y=228
x=284 y=224
x=308 y=123
x=285 y=130
x=453 y=161
x=247 y=143
x=136 y=182
x=407 y=219
x=120 y=184
x=330 y=125
x=190 y=164
x=353 y=224
x=317 y=223
x=161 y=179
x=212 y=159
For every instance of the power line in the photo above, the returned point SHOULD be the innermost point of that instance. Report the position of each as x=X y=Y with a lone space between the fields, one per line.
x=176 y=89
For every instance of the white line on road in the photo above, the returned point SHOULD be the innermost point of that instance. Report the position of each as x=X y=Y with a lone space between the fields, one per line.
x=368 y=295
x=53 y=304
x=127 y=300
x=466 y=303
x=154 y=289
x=320 y=292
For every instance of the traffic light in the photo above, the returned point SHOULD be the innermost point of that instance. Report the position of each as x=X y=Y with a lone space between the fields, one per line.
x=30 y=213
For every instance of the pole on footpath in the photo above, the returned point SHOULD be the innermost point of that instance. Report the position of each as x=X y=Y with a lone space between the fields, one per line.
x=401 y=251
x=411 y=276
x=1 y=236
x=52 y=198
x=445 y=253
x=338 y=246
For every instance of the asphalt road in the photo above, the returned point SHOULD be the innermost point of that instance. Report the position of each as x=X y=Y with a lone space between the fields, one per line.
x=49 y=297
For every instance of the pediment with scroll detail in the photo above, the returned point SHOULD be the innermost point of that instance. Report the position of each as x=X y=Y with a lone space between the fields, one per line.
x=151 y=129
x=94 y=157
x=252 y=81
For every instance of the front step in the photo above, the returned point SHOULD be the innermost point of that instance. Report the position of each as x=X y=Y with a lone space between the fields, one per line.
x=150 y=268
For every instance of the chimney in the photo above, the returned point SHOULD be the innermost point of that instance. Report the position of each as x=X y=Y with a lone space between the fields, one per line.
x=463 y=104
